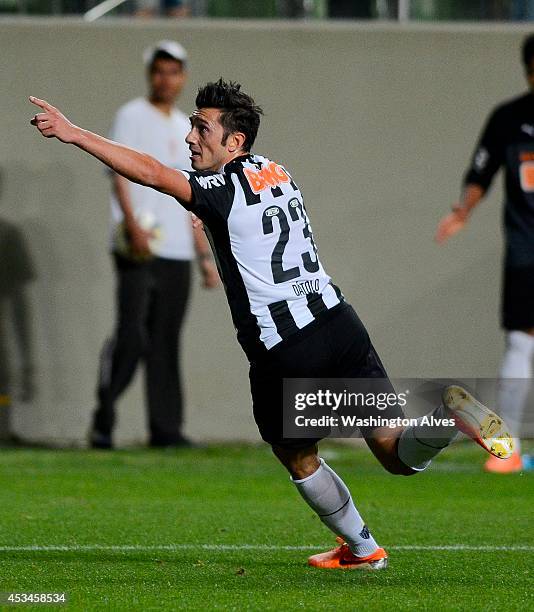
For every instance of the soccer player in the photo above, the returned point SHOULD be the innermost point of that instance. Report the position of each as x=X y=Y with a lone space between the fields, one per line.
x=508 y=140
x=261 y=236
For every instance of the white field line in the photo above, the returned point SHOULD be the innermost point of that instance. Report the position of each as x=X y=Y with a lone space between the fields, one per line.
x=255 y=547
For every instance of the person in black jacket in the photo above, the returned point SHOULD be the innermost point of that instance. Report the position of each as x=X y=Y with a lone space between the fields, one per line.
x=508 y=141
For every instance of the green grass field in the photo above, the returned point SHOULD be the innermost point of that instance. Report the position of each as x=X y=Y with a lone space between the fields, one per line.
x=223 y=528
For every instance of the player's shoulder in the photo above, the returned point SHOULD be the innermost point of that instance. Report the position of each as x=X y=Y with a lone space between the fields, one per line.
x=209 y=180
x=510 y=107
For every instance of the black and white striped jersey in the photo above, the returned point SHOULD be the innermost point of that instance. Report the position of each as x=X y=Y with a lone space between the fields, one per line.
x=261 y=236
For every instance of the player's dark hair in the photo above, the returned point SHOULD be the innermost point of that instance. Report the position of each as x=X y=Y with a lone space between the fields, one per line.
x=528 y=51
x=239 y=112
x=161 y=54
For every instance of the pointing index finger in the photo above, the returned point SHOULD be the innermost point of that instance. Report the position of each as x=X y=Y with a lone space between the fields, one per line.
x=41 y=103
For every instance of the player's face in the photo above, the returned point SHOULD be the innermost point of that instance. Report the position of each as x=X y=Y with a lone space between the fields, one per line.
x=166 y=80
x=205 y=140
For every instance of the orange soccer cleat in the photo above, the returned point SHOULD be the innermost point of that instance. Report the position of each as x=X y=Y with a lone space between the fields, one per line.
x=498 y=466
x=342 y=558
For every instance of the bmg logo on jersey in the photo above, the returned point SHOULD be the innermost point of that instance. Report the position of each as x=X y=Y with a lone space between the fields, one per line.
x=268 y=177
x=213 y=180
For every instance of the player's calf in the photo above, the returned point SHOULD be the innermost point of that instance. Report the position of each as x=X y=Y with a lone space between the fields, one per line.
x=326 y=493
x=383 y=444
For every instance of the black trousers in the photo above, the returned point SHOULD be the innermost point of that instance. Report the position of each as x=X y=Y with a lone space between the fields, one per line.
x=151 y=303
x=517 y=308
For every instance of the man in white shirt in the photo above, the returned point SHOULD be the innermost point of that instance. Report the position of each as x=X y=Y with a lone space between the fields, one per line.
x=153 y=244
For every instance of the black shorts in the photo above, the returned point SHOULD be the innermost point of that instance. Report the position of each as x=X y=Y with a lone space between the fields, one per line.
x=334 y=346
x=518 y=298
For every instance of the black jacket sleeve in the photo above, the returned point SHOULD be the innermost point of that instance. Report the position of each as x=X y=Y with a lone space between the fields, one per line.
x=489 y=153
x=213 y=195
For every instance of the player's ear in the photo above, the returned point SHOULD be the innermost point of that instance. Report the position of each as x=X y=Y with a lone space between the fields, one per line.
x=236 y=141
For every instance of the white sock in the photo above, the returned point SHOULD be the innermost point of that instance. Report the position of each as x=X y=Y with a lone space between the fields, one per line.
x=515 y=375
x=420 y=443
x=327 y=494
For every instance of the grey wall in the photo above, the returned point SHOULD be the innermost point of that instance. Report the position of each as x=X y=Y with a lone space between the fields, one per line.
x=376 y=124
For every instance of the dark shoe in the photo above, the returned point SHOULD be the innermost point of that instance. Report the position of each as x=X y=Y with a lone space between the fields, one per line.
x=100 y=440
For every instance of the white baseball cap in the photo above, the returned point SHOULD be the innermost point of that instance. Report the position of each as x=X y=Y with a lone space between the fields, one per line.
x=171 y=47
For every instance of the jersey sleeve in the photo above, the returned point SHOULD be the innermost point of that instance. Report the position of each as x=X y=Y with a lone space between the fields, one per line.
x=213 y=195
x=489 y=153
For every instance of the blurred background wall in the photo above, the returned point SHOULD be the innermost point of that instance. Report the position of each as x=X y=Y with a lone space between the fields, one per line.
x=375 y=122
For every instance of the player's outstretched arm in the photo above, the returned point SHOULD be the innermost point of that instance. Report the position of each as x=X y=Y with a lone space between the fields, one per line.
x=135 y=166
x=452 y=223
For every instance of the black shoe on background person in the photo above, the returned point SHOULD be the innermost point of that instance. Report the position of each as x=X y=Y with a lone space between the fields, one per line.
x=100 y=440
